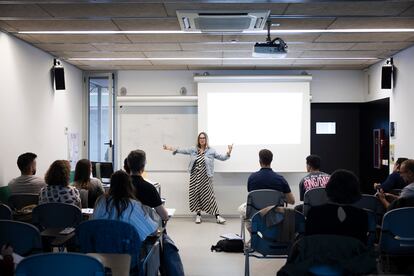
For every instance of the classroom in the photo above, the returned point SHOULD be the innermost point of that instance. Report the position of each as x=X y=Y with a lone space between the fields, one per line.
x=142 y=74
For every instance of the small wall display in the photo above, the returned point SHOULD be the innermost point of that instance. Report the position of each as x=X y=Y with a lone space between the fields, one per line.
x=326 y=128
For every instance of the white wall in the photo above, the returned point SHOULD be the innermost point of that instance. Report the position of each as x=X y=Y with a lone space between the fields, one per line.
x=230 y=188
x=32 y=115
x=401 y=100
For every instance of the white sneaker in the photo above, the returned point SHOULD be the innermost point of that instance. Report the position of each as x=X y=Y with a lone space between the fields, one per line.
x=198 y=219
x=220 y=220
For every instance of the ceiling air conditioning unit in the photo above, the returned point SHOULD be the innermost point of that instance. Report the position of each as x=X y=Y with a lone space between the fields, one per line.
x=222 y=21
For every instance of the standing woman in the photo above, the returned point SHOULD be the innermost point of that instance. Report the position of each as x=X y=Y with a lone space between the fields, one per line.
x=201 y=168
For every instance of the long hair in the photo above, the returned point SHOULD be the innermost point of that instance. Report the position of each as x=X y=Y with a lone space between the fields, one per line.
x=120 y=192
x=83 y=173
x=58 y=173
x=198 y=139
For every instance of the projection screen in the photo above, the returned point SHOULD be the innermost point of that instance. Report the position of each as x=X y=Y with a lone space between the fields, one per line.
x=253 y=113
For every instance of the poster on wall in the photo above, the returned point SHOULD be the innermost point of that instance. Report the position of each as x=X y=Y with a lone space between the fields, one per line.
x=392 y=154
x=73 y=149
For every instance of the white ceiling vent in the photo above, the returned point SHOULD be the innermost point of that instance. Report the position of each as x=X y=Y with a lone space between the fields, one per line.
x=222 y=21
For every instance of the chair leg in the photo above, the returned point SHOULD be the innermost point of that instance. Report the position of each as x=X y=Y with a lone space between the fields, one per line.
x=246 y=263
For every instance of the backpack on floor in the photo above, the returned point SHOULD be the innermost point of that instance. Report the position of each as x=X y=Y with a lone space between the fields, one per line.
x=227 y=245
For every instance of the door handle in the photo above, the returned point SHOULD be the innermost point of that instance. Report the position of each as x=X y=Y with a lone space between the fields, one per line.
x=109 y=143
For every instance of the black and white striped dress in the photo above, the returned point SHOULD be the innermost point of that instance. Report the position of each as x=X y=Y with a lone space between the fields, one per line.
x=201 y=188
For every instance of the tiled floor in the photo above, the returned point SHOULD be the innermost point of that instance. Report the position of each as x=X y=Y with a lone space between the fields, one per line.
x=194 y=242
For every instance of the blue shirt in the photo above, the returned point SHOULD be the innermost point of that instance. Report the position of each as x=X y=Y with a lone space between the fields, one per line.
x=393 y=181
x=266 y=178
x=133 y=214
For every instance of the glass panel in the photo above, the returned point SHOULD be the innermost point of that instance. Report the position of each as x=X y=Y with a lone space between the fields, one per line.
x=99 y=120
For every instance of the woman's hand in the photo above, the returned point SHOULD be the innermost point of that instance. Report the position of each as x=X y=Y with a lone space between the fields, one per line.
x=165 y=147
x=229 y=149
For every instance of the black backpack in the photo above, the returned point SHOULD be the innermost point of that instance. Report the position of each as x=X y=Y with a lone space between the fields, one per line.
x=228 y=246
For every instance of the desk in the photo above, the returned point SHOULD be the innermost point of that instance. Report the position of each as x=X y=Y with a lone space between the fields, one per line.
x=118 y=263
x=54 y=238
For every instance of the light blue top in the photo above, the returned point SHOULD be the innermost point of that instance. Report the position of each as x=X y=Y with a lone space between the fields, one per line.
x=209 y=155
x=408 y=191
x=133 y=214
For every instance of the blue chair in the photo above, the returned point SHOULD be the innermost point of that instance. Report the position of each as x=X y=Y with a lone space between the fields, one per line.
x=257 y=200
x=371 y=203
x=264 y=240
x=56 y=215
x=397 y=234
x=23 y=237
x=60 y=264
x=18 y=201
x=112 y=236
x=314 y=197
x=5 y=212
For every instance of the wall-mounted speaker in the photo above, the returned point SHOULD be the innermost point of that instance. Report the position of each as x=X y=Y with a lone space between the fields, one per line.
x=59 y=76
x=386 y=77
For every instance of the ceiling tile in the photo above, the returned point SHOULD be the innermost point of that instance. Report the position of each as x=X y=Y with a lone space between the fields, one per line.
x=153 y=67
x=72 y=54
x=350 y=8
x=331 y=62
x=186 y=62
x=27 y=38
x=62 y=25
x=262 y=38
x=136 y=24
x=248 y=54
x=372 y=23
x=132 y=47
x=339 y=54
x=161 y=38
x=89 y=10
x=216 y=46
x=319 y=46
x=301 y=23
x=271 y=62
x=6 y=27
x=275 y=8
x=183 y=54
x=116 y=62
x=381 y=45
x=22 y=10
x=56 y=47
x=364 y=37
x=409 y=11
x=80 y=38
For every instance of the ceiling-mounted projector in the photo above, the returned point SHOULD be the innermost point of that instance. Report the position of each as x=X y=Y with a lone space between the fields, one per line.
x=272 y=48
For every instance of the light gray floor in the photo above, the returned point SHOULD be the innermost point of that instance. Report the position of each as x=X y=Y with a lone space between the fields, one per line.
x=194 y=242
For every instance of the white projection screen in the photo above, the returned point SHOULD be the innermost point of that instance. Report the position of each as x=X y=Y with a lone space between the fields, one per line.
x=256 y=112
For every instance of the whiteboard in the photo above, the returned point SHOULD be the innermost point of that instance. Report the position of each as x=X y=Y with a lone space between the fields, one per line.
x=149 y=127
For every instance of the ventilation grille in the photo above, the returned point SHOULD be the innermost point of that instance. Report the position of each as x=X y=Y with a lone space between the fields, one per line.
x=216 y=21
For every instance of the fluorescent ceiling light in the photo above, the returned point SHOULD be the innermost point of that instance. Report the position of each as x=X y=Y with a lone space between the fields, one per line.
x=401 y=30
x=214 y=58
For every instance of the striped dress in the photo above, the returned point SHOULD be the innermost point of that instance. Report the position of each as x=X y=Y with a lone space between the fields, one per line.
x=201 y=191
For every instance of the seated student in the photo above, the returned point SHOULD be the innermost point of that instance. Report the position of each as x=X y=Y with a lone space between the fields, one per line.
x=126 y=167
x=120 y=204
x=144 y=191
x=84 y=181
x=266 y=178
x=315 y=178
x=338 y=217
x=394 y=180
x=58 y=189
x=406 y=198
x=27 y=182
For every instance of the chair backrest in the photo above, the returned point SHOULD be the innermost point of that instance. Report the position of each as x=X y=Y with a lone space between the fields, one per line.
x=373 y=204
x=56 y=215
x=259 y=199
x=84 y=198
x=397 y=233
x=314 y=197
x=23 y=237
x=18 y=201
x=109 y=236
x=5 y=212
x=266 y=239
x=4 y=194
x=60 y=264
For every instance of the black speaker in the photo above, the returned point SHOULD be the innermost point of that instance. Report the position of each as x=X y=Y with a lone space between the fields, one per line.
x=386 y=77
x=59 y=76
